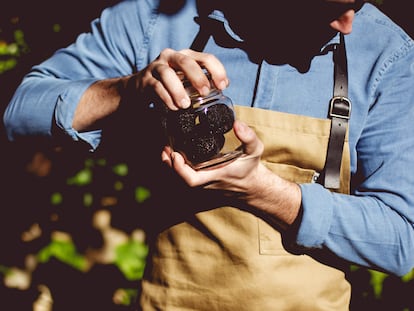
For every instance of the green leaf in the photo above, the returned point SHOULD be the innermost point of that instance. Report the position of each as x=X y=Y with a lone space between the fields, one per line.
x=118 y=185
x=19 y=36
x=82 y=178
x=56 y=198
x=101 y=162
x=56 y=27
x=120 y=169
x=65 y=251
x=130 y=259
x=4 y=270
x=13 y=49
x=377 y=280
x=3 y=48
x=87 y=199
x=7 y=64
x=408 y=277
x=89 y=163
x=141 y=194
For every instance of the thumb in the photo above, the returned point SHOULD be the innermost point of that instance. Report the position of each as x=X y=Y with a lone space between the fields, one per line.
x=252 y=145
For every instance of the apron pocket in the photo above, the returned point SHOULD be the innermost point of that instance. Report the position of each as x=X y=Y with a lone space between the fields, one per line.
x=292 y=173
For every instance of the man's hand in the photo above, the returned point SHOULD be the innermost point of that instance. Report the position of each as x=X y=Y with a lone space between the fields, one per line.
x=246 y=177
x=160 y=77
x=158 y=82
x=231 y=176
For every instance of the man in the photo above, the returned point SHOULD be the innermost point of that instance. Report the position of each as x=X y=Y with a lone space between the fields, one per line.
x=323 y=93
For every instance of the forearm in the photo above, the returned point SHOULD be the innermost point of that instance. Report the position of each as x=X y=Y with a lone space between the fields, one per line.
x=98 y=103
x=278 y=198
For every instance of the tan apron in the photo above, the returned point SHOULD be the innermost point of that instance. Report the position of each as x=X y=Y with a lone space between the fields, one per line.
x=237 y=262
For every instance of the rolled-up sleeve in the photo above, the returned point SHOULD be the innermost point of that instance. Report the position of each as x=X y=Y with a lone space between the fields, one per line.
x=374 y=226
x=49 y=94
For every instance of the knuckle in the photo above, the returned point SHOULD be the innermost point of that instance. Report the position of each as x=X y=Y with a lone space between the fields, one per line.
x=186 y=51
x=165 y=53
x=209 y=58
x=156 y=84
x=148 y=75
x=183 y=59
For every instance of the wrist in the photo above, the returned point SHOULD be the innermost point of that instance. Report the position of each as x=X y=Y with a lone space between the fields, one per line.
x=280 y=199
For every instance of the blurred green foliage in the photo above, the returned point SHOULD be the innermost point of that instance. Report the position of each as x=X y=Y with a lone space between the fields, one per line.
x=64 y=251
x=10 y=52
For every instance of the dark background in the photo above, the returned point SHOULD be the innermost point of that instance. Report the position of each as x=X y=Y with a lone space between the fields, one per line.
x=32 y=170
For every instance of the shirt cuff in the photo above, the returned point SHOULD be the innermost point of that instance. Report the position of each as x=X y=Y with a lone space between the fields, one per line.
x=317 y=211
x=65 y=110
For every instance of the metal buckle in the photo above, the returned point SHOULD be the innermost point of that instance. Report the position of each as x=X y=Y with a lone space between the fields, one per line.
x=340 y=107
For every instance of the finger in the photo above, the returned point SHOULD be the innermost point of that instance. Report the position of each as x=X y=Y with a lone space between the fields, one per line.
x=185 y=63
x=156 y=91
x=148 y=82
x=213 y=66
x=192 y=71
x=251 y=143
x=166 y=156
x=170 y=88
x=192 y=177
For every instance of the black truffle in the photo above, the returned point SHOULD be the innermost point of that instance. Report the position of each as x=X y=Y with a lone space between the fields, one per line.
x=181 y=122
x=219 y=117
x=200 y=149
x=198 y=133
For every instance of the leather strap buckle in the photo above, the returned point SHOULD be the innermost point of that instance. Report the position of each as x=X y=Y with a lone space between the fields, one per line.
x=339 y=112
x=340 y=107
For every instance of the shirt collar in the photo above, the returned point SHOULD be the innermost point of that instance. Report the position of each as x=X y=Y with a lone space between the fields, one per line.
x=218 y=16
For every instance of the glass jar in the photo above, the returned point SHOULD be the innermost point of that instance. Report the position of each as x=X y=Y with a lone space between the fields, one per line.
x=203 y=133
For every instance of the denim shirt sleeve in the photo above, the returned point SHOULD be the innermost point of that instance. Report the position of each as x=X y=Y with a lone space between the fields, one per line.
x=50 y=92
x=374 y=226
x=65 y=108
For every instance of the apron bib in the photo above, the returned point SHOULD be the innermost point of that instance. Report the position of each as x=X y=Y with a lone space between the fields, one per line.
x=227 y=259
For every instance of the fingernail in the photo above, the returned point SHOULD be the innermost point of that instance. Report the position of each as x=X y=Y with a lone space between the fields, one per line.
x=222 y=85
x=185 y=102
x=205 y=91
x=241 y=127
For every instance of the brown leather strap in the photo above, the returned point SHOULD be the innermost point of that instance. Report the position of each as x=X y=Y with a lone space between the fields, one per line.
x=339 y=112
x=203 y=34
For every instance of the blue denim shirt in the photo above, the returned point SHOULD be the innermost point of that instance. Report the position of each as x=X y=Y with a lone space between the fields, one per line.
x=374 y=225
